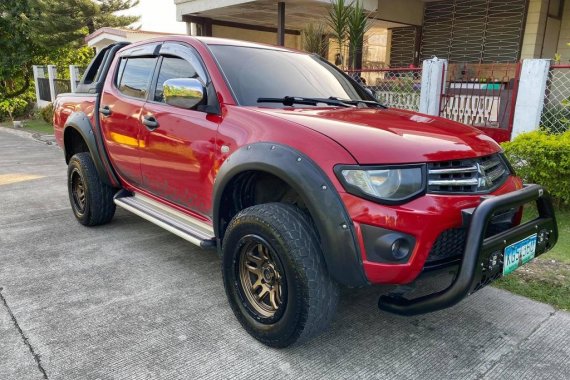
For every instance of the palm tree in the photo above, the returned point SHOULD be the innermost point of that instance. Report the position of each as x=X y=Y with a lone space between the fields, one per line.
x=337 y=21
x=314 y=40
x=349 y=24
x=358 y=25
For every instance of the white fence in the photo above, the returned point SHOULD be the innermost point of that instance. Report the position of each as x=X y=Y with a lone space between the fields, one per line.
x=48 y=86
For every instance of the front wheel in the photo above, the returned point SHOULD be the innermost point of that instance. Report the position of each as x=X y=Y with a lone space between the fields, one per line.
x=275 y=277
x=91 y=199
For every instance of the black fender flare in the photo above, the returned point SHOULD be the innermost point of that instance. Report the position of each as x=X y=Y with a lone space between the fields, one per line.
x=81 y=124
x=336 y=230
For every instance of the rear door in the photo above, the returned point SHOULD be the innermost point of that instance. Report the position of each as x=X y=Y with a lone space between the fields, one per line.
x=122 y=102
x=177 y=160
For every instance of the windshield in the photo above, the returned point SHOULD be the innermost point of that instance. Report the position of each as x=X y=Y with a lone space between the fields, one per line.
x=255 y=73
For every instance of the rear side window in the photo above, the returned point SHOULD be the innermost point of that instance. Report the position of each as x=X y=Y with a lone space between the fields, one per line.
x=134 y=75
x=172 y=67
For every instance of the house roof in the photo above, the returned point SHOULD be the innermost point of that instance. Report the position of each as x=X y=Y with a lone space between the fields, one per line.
x=120 y=32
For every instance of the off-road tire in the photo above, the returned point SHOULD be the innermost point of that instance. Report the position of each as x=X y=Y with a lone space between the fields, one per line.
x=311 y=295
x=97 y=206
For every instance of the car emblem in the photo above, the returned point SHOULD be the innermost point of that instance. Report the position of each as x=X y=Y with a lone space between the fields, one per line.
x=483 y=180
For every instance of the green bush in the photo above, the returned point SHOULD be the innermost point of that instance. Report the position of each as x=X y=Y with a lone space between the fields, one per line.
x=539 y=157
x=12 y=107
x=47 y=113
x=19 y=107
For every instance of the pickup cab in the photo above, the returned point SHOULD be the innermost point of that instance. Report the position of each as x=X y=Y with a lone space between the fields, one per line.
x=297 y=177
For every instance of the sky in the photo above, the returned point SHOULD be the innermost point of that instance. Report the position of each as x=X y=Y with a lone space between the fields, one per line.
x=157 y=16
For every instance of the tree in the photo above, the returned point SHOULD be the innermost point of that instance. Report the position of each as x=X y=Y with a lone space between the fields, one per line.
x=31 y=30
x=314 y=38
x=338 y=22
x=358 y=25
x=69 y=21
x=17 y=47
x=349 y=23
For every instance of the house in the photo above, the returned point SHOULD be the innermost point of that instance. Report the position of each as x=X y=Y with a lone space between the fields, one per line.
x=404 y=32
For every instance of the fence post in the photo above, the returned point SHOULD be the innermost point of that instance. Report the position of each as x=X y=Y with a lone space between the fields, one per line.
x=433 y=75
x=73 y=77
x=37 y=84
x=530 y=97
x=52 y=75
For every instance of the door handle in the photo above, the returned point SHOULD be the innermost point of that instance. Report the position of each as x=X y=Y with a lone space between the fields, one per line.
x=105 y=111
x=150 y=122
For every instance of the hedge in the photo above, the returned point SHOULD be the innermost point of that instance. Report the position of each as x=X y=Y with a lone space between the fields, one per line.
x=543 y=158
x=47 y=113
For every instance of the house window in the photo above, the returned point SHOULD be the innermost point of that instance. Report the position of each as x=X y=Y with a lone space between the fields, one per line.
x=480 y=31
x=403 y=47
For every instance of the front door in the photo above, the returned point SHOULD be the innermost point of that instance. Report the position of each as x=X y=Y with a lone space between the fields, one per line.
x=178 y=148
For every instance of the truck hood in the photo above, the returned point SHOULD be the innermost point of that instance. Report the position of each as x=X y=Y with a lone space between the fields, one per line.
x=388 y=136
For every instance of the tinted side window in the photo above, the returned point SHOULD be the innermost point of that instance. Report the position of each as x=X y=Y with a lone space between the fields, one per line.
x=172 y=67
x=134 y=76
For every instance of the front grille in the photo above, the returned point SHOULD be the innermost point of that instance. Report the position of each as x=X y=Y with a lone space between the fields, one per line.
x=450 y=243
x=476 y=175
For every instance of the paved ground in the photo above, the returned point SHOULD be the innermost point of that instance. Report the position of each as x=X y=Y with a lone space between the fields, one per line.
x=131 y=301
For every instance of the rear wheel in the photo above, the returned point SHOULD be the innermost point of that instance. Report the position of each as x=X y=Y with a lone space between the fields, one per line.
x=91 y=199
x=275 y=277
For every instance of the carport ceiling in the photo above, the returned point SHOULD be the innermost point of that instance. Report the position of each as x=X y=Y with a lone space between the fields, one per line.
x=298 y=13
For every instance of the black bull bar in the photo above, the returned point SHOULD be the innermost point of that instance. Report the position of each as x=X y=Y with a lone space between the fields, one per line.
x=474 y=270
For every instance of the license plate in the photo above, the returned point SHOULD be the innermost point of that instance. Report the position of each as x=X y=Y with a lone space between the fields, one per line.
x=519 y=253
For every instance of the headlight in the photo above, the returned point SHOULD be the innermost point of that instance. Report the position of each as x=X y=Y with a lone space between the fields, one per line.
x=385 y=184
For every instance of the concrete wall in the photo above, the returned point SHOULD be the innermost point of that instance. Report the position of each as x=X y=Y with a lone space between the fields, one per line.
x=534 y=30
x=404 y=11
x=291 y=41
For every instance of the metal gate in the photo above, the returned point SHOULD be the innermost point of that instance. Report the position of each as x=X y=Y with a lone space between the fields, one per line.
x=482 y=95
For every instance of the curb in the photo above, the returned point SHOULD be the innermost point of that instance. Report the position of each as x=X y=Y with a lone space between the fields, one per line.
x=45 y=139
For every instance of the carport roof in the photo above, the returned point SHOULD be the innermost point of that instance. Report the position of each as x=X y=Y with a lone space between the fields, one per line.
x=261 y=12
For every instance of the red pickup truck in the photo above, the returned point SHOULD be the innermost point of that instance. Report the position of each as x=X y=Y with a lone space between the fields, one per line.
x=297 y=176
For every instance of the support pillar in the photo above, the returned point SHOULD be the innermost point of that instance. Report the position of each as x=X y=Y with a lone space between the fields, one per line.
x=434 y=72
x=281 y=23
x=530 y=96
x=199 y=26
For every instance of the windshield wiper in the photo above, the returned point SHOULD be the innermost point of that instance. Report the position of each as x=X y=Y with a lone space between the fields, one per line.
x=290 y=100
x=357 y=102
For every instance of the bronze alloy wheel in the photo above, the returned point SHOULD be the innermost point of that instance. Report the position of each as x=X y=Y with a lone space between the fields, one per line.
x=78 y=191
x=261 y=277
x=275 y=276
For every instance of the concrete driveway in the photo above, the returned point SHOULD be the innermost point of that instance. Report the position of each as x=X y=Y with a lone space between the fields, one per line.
x=131 y=301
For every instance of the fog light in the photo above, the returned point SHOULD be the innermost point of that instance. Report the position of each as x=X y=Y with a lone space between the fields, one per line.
x=386 y=246
x=400 y=249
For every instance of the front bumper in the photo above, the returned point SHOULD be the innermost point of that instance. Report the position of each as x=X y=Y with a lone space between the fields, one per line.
x=424 y=219
x=474 y=270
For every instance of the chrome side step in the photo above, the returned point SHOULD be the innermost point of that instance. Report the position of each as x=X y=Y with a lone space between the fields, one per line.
x=182 y=225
